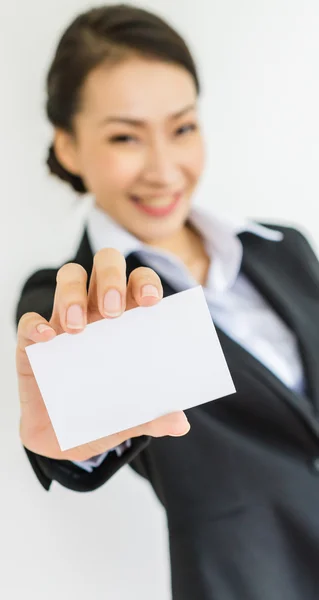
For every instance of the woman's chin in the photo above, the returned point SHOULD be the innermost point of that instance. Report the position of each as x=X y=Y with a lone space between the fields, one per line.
x=150 y=232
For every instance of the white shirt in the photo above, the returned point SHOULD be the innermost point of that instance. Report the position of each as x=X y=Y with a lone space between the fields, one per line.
x=235 y=304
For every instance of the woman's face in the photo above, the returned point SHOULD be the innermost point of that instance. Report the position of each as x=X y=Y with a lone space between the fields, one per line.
x=138 y=145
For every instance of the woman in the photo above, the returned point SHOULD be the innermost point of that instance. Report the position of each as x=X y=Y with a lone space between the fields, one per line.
x=241 y=489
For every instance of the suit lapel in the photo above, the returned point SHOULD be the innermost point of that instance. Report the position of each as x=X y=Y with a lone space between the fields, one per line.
x=84 y=255
x=241 y=364
x=269 y=269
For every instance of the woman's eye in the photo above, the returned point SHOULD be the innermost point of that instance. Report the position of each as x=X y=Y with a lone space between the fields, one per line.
x=186 y=129
x=122 y=139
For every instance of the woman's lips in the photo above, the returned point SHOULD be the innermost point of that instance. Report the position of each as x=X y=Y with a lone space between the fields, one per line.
x=159 y=207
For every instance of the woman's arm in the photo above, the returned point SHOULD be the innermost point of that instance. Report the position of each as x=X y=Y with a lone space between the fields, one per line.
x=37 y=296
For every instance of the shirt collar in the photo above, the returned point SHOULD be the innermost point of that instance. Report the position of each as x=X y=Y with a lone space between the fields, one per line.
x=220 y=234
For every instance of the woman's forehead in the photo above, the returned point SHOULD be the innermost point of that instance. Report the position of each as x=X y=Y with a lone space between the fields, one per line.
x=140 y=88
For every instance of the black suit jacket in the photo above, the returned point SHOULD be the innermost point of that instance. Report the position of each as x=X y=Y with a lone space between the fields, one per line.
x=241 y=490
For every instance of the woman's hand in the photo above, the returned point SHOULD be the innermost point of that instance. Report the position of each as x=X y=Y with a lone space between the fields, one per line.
x=108 y=297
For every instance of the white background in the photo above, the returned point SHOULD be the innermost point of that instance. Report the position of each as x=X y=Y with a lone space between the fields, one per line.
x=259 y=64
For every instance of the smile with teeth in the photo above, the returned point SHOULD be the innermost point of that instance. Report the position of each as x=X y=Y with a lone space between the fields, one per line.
x=160 y=202
x=160 y=206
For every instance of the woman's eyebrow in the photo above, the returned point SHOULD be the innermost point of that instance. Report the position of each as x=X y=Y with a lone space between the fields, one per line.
x=140 y=122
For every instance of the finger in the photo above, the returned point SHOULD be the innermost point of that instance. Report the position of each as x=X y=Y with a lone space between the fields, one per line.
x=174 y=424
x=32 y=329
x=70 y=301
x=144 y=288
x=107 y=291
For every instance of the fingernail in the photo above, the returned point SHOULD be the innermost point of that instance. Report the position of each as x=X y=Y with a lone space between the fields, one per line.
x=180 y=425
x=112 y=303
x=149 y=290
x=43 y=327
x=75 y=317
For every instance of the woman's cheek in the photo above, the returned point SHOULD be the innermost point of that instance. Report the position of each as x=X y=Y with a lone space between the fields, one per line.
x=123 y=169
x=113 y=170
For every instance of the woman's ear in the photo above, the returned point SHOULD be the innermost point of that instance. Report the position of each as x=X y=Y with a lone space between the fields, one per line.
x=66 y=152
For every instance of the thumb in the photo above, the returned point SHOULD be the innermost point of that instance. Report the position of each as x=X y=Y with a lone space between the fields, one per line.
x=174 y=424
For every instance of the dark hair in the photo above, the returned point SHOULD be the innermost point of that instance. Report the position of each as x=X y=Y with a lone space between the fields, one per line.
x=100 y=34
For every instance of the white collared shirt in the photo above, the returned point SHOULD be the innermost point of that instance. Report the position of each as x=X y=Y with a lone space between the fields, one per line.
x=235 y=305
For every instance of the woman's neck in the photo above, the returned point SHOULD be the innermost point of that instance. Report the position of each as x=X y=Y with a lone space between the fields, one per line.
x=188 y=245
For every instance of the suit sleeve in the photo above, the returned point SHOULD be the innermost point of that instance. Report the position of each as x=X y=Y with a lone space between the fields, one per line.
x=37 y=296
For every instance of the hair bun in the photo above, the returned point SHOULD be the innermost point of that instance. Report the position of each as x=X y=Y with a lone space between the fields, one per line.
x=56 y=168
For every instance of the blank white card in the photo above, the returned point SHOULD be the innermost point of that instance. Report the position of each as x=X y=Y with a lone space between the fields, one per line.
x=119 y=373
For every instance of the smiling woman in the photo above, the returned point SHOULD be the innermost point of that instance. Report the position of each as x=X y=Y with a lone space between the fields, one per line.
x=139 y=159
x=240 y=498
x=124 y=109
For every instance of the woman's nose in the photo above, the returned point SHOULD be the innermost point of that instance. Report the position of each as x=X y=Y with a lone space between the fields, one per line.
x=161 y=168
